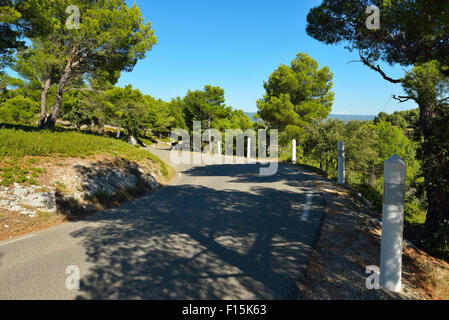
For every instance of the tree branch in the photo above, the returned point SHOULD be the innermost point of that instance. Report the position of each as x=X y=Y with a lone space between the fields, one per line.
x=82 y=89
x=443 y=100
x=402 y=98
x=379 y=70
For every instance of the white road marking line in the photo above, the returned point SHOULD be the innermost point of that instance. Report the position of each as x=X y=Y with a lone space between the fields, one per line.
x=305 y=215
x=15 y=240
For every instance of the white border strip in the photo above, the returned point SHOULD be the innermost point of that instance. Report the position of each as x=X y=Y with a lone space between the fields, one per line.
x=15 y=240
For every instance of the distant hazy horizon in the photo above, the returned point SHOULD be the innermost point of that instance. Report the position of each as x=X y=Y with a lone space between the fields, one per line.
x=342 y=117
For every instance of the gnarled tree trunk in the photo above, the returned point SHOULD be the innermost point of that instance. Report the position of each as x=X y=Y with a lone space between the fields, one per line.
x=435 y=167
x=43 y=114
x=100 y=126
x=50 y=121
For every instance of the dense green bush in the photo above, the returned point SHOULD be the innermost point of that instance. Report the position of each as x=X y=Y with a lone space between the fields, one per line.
x=18 y=109
x=17 y=143
x=368 y=144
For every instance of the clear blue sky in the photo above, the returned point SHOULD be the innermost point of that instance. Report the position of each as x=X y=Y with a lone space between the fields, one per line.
x=237 y=44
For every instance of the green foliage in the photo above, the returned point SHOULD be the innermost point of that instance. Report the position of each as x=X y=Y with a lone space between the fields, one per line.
x=18 y=109
x=38 y=62
x=296 y=95
x=111 y=38
x=438 y=242
x=204 y=105
x=414 y=211
x=208 y=106
x=17 y=143
x=368 y=144
x=125 y=107
x=428 y=85
x=161 y=116
x=409 y=29
x=320 y=144
x=176 y=111
x=16 y=173
x=19 y=18
x=77 y=110
x=412 y=33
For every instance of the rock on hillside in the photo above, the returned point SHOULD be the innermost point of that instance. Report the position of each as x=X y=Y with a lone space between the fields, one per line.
x=76 y=182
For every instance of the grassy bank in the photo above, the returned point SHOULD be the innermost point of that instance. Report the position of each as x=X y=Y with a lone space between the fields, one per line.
x=22 y=141
x=31 y=157
x=23 y=147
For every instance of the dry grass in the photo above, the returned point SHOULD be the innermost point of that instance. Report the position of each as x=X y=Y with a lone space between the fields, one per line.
x=430 y=274
x=349 y=242
x=13 y=224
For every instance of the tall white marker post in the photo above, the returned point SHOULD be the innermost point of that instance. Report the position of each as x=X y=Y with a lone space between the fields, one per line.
x=249 y=149
x=294 y=151
x=395 y=170
x=220 y=151
x=341 y=163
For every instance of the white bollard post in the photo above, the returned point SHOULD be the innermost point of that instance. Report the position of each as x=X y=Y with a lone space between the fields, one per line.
x=249 y=149
x=341 y=163
x=395 y=170
x=220 y=151
x=294 y=151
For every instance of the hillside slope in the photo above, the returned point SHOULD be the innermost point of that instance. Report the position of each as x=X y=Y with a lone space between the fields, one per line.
x=47 y=178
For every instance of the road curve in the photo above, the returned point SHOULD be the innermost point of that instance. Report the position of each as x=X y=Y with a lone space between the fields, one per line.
x=216 y=232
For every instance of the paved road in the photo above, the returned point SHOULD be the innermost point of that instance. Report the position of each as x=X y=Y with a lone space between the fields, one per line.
x=216 y=232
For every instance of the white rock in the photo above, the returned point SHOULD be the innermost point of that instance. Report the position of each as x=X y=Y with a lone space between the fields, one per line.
x=17 y=208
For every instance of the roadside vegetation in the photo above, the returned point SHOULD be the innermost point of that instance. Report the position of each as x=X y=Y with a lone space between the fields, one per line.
x=65 y=101
x=421 y=49
x=301 y=113
x=18 y=143
x=24 y=148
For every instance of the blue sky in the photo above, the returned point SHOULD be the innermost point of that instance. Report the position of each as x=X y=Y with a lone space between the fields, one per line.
x=237 y=44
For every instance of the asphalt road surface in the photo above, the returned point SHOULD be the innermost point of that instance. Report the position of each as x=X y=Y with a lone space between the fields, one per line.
x=216 y=232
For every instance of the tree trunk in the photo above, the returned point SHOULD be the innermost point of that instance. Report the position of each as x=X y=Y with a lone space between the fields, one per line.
x=435 y=177
x=119 y=131
x=434 y=168
x=43 y=114
x=50 y=121
x=100 y=126
x=210 y=136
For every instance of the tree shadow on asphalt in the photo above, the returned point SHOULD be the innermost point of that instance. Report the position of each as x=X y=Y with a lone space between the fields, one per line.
x=192 y=242
x=105 y=184
x=249 y=173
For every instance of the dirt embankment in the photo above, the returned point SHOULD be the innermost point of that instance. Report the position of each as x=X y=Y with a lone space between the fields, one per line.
x=70 y=188
x=350 y=242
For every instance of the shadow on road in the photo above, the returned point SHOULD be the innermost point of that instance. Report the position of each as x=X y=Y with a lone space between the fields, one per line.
x=193 y=242
x=244 y=173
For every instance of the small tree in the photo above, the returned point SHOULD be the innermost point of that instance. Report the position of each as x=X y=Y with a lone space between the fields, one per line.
x=39 y=64
x=296 y=95
x=111 y=38
x=204 y=105
x=18 y=109
x=125 y=108
x=412 y=33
